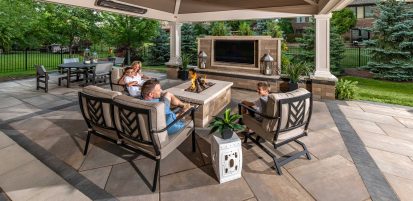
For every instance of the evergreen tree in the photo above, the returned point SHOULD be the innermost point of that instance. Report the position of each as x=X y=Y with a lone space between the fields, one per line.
x=189 y=45
x=307 y=45
x=219 y=29
x=392 y=43
x=158 y=53
x=261 y=27
x=244 y=29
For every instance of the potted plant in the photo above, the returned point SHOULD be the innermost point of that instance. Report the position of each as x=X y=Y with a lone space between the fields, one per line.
x=183 y=69
x=226 y=125
x=294 y=71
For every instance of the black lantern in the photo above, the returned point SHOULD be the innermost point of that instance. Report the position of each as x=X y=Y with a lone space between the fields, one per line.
x=267 y=63
x=202 y=59
x=86 y=56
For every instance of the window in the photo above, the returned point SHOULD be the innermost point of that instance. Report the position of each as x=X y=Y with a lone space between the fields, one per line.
x=360 y=12
x=301 y=20
x=354 y=10
x=360 y=35
x=368 y=11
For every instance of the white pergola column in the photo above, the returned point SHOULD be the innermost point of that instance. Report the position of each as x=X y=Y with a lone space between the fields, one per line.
x=175 y=43
x=322 y=47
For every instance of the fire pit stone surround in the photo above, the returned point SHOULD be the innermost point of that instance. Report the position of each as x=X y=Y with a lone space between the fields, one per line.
x=211 y=101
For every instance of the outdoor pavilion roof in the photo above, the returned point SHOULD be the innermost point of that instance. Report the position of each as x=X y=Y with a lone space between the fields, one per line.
x=219 y=10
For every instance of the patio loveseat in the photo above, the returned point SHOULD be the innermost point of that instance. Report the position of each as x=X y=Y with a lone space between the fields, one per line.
x=135 y=124
x=285 y=118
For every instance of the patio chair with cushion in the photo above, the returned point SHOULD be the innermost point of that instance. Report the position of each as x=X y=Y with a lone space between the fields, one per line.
x=115 y=83
x=134 y=124
x=100 y=72
x=119 y=61
x=284 y=119
x=42 y=77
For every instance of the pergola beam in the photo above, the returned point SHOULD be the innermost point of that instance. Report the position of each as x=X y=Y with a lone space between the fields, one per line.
x=246 y=14
x=151 y=13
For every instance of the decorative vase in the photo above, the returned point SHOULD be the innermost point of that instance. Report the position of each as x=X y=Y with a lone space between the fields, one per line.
x=184 y=74
x=226 y=133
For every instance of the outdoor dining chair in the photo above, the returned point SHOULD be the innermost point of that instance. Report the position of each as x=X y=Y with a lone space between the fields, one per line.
x=284 y=119
x=42 y=77
x=99 y=73
x=119 y=61
x=77 y=72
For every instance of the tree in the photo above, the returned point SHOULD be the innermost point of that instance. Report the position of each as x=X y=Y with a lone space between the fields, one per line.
x=17 y=20
x=189 y=42
x=307 y=45
x=201 y=29
x=392 y=43
x=244 y=29
x=219 y=29
x=286 y=26
x=129 y=33
x=261 y=27
x=158 y=53
x=343 y=20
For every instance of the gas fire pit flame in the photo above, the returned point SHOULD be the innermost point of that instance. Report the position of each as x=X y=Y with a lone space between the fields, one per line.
x=197 y=83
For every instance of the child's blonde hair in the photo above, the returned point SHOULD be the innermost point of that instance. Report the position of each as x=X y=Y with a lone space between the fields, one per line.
x=264 y=85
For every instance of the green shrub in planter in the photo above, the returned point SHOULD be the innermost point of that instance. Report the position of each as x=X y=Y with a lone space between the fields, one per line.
x=346 y=89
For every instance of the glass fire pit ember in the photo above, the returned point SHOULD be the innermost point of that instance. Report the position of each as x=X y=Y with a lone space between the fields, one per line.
x=197 y=83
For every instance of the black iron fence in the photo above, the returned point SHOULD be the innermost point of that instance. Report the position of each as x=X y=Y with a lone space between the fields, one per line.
x=353 y=56
x=23 y=60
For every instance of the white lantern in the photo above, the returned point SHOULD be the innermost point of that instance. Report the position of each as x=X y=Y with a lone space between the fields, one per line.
x=202 y=59
x=267 y=63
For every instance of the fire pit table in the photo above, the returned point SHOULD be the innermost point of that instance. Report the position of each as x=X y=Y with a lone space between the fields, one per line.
x=211 y=101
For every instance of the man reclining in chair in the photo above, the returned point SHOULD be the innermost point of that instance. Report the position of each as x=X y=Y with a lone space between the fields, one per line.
x=152 y=91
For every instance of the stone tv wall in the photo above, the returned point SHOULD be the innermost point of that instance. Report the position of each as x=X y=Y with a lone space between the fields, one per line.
x=263 y=44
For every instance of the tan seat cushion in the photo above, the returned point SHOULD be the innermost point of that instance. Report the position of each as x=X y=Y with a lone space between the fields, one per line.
x=176 y=139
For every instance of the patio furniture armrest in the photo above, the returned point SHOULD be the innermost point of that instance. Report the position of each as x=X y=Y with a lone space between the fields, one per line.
x=253 y=111
x=186 y=113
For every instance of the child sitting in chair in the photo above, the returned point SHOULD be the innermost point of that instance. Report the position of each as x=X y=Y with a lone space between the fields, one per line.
x=263 y=89
x=133 y=82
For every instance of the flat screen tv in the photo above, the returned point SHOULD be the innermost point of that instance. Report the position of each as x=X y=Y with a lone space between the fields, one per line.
x=234 y=51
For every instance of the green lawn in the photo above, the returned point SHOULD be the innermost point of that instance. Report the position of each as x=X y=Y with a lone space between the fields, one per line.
x=400 y=93
x=17 y=60
x=161 y=69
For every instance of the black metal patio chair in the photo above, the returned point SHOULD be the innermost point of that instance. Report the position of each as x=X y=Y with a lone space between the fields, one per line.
x=284 y=119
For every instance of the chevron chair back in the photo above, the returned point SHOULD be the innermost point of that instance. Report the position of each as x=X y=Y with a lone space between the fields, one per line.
x=285 y=119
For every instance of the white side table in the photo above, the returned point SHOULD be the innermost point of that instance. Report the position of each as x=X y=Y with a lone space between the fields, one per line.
x=226 y=157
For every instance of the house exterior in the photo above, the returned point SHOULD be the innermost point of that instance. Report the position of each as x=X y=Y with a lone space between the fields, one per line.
x=364 y=10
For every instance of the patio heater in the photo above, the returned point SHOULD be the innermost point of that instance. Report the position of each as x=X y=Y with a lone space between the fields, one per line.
x=267 y=63
x=95 y=57
x=86 y=56
x=202 y=59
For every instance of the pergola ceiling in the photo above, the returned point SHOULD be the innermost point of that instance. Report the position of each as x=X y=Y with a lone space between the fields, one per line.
x=217 y=10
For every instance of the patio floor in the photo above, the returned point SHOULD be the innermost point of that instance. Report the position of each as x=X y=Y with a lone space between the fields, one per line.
x=360 y=151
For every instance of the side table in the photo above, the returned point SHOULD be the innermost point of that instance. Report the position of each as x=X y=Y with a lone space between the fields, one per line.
x=226 y=157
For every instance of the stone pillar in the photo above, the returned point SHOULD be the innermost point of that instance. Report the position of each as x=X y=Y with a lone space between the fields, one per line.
x=323 y=86
x=175 y=49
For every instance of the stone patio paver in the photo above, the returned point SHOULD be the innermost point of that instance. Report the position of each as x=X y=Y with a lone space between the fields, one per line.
x=402 y=186
x=330 y=175
x=407 y=122
x=392 y=163
x=99 y=176
x=333 y=178
x=398 y=132
x=201 y=183
x=387 y=143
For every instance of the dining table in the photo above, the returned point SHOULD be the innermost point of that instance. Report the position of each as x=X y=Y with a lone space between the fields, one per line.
x=77 y=67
